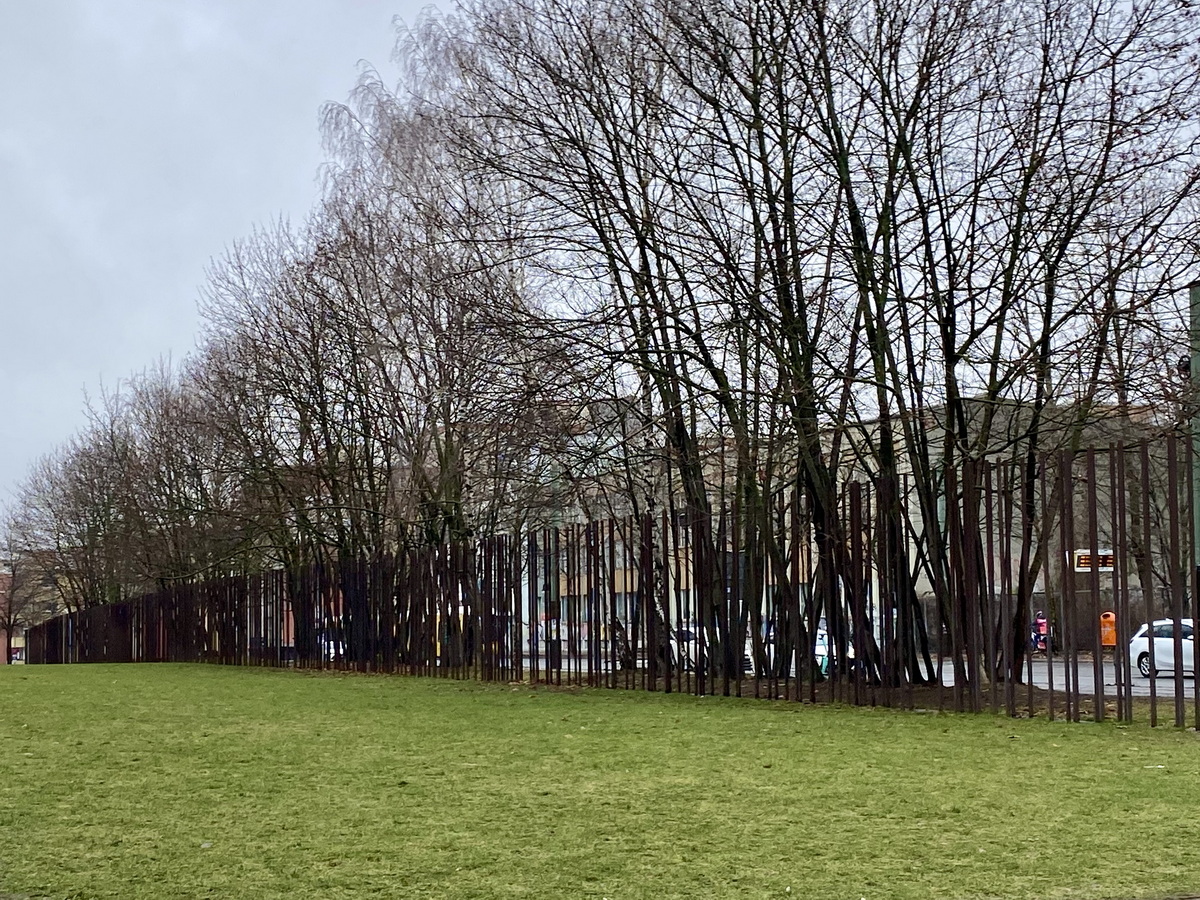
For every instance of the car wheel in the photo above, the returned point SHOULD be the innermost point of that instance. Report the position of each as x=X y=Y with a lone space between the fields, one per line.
x=1144 y=665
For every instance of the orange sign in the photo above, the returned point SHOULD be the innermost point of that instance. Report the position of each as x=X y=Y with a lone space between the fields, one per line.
x=1087 y=561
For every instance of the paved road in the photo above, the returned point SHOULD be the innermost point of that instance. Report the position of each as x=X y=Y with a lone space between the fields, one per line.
x=1165 y=687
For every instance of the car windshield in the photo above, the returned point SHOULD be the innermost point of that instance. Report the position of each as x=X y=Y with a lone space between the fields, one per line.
x=1165 y=630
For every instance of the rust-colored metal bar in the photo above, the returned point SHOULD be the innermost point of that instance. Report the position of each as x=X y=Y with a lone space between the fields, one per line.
x=1192 y=573
x=554 y=600
x=727 y=547
x=646 y=660
x=1120 y=518
x=570 y=575
x=592 y=592
x=579 y=599
x=810 y=599
x=988 y=596
x=908 y=659
x=611 y=626
x=632 y=549
x=1047 y=519
x=532 y=567
x=1147 y=579
x=1007 y=607
x=664 y=600
x=1192 y=557
x=942 y=602
x=1174 y=567
x=514 y=604
x=679 y=626
x=954 y=542
x=970 y=530
x=702 y=585
x=1094 y=606
x=879 y=557
x=534 y=592
x=1071 y=688
x=879 y=572
x=856 y=586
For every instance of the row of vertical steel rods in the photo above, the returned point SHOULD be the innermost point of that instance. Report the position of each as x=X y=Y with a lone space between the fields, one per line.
x=649 y=601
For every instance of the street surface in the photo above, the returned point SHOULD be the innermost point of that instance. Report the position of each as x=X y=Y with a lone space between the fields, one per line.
x=1165 y=686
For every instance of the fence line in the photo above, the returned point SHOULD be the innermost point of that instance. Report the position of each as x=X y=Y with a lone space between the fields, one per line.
x=860 y=607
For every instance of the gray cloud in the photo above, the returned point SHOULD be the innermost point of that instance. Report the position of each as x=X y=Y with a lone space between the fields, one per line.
x=138 y=138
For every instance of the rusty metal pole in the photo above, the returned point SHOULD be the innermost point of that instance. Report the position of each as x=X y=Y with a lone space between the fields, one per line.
x=1194 y=476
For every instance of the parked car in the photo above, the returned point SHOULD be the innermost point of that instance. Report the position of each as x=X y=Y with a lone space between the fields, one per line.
x=820 y=651
x=823 y=653
x=685 y=646
x=1164 y=648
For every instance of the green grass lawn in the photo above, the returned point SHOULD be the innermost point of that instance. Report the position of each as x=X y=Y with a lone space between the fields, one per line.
x=198 y=781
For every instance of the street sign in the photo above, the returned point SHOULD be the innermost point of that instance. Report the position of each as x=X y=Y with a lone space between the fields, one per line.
x=1093 y=560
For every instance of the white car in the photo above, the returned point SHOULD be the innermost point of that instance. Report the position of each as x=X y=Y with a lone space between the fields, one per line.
x=685 y=645
x=1164 y=648
x=821 y=651
x=685 y=649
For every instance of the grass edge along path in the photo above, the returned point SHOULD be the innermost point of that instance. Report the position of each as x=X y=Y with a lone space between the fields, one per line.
x=202 y=781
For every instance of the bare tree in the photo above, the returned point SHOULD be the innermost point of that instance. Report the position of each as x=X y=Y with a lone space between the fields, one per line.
x=892 y=225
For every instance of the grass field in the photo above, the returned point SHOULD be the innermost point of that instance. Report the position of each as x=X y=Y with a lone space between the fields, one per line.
x=196 y=781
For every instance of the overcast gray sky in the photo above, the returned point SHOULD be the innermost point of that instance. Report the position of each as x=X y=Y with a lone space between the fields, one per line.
x=138 y=138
